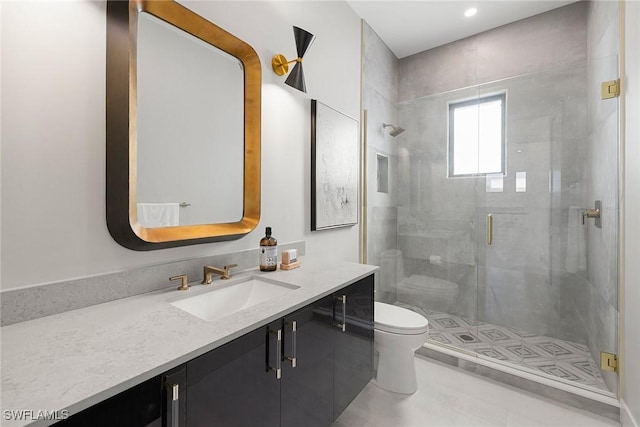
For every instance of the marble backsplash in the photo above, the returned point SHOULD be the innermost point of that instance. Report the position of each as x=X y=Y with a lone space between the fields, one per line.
x=22 y=304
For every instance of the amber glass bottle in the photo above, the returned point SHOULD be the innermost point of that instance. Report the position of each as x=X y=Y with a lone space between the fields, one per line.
x=268 y=252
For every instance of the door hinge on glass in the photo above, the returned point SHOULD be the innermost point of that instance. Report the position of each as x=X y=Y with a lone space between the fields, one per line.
x=610 y=89
x=609 y=362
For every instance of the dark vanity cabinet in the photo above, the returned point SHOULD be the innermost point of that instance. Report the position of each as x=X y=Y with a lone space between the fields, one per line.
x=300 y=370
x=278 y=375
x=236 y=384
x=353 y=344
x=306 y=395
x=153 y=403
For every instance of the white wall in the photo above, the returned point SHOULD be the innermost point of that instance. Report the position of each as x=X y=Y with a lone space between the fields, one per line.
x=53 y=133
x=631 y=355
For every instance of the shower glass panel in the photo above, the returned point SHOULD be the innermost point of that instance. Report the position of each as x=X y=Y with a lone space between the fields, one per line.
x=501 y=264
x=437 y=220
x=547 y=283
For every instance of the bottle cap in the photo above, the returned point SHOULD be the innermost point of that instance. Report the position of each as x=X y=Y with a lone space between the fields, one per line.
x=268 y=231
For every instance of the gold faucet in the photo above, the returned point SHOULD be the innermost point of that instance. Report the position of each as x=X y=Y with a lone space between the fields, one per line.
x=184 y=286
x=224 y=272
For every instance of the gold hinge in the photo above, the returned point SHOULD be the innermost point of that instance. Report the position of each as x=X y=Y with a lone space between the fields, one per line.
x=610 y=89
x=609 y=362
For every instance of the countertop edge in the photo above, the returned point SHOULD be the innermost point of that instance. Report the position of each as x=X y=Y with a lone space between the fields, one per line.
x=191 y=353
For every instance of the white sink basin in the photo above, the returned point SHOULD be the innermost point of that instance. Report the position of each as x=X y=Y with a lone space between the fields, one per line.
x=227 y=297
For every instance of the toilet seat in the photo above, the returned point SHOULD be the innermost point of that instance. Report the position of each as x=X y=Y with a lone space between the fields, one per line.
x=398 y=320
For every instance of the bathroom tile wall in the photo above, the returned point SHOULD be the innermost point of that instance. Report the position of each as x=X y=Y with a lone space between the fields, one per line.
x=522 y=47
x=379 y=99
x=541 y=63
x=603 y=50
x=22 y=304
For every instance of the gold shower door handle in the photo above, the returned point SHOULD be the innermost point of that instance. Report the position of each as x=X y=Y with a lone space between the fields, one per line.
x=489 y=229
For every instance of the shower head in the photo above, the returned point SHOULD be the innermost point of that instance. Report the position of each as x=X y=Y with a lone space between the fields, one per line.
x=395 y=130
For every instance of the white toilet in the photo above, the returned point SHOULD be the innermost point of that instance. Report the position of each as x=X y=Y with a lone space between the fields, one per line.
x=398 y=334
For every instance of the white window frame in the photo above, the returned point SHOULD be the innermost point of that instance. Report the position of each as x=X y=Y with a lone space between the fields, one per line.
x=451 y=137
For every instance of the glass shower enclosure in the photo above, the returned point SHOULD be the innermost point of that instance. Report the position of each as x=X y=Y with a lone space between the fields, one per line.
x=508 y=243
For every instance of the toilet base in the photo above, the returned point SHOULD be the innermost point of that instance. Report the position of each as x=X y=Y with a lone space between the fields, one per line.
x=396 y=371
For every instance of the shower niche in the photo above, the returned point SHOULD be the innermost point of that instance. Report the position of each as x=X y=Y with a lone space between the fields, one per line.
x=382 y=175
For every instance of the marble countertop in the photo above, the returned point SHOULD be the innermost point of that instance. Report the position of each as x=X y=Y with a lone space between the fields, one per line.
x=72 y=360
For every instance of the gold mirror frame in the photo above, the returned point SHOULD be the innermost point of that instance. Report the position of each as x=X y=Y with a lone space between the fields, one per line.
x=121 y=131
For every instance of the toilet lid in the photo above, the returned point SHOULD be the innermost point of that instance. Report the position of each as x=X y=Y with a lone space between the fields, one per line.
x=398 y=320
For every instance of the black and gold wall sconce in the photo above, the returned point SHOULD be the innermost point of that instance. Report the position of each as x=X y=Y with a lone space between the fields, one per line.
x=280 y=64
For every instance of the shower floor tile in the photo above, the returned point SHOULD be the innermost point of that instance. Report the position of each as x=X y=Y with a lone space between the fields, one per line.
x=553 y=357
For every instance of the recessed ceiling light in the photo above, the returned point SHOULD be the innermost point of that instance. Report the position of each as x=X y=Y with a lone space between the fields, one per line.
x=470 y=12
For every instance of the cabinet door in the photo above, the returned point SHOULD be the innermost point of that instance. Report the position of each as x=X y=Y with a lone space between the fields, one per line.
x=140 y=406
x=307 y=375
x=233 y=386
x=353 y=315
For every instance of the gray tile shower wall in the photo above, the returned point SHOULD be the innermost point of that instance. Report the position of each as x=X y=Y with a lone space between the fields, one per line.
x=380 y=97
x=22 y=304
x=526 y=46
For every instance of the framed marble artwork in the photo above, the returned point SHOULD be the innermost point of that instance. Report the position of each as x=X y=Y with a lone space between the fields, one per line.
x=334 y=168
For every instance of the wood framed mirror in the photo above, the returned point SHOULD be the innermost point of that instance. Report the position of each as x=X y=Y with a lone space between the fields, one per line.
x=183 y=128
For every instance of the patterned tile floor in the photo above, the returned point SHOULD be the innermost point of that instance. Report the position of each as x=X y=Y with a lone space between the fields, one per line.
x=563 y=359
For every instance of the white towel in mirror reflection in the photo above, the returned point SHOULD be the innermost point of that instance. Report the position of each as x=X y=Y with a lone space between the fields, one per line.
x=154 y=215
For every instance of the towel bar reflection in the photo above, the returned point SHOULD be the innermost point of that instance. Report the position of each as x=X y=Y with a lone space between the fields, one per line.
x=185 y=205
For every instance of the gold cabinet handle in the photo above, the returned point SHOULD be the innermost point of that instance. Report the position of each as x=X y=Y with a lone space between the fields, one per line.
x=489 y=229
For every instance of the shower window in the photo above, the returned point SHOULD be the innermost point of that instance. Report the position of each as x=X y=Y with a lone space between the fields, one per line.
x=477 y=136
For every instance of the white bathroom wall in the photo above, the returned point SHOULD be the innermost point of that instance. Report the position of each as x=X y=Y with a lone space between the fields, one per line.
x=630 y=414
x=53 y=133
